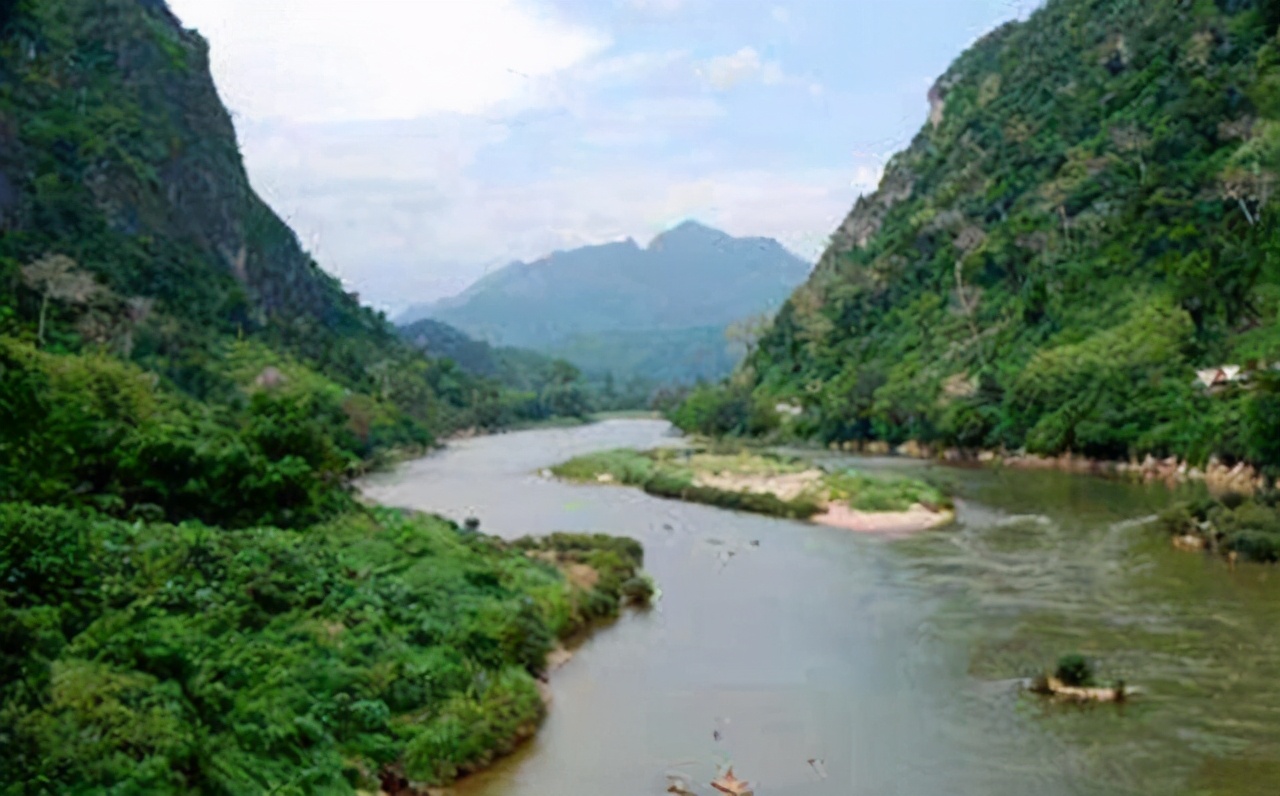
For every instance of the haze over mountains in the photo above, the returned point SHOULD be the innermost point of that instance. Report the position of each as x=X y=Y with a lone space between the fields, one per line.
x=658 y=312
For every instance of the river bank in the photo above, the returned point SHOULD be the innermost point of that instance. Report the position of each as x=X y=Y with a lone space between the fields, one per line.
x=898 y=662
x=1216 y=475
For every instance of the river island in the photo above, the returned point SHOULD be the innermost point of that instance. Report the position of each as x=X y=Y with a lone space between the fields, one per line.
x=772 y=484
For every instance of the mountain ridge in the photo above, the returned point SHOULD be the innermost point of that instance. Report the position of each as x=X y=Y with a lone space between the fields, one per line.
x=592 y=304
x=686 y=231
x=1083 y=221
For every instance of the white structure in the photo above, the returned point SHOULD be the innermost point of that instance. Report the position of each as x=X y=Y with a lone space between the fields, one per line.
x=1216 y=377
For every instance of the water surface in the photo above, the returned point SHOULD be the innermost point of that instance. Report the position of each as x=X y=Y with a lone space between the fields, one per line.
x=891 y=664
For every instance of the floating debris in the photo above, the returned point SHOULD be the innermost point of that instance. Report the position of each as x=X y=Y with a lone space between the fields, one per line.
x=819 y=766
x=728 y=783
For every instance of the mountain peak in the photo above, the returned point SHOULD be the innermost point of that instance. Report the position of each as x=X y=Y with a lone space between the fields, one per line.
x=688 y=232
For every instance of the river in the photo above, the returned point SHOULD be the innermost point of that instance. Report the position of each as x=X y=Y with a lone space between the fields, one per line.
x=891 y=664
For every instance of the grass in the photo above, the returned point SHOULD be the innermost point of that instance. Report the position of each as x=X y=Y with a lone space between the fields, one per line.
x=674 y=473
x=890 y=493
x=624 y=466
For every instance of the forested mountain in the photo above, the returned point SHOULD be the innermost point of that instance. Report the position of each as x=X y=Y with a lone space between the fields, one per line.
x=1084 y=221
x=537 y=385
x=191 y=600
x=136 y=256
x=596 y=306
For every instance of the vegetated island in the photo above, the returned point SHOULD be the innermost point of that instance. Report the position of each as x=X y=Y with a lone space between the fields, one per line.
x=772 y=484
x=1233 y=525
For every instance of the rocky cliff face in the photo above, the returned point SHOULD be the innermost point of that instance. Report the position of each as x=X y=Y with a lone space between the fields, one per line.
x=1084 y=219
x=116 y=150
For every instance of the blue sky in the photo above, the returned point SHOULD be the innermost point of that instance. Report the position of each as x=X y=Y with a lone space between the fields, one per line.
x=416 y=144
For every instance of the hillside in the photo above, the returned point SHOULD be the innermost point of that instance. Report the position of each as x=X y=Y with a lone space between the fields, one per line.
x=538 y=386
x=596 y=305
x=133 y=244
x=1084 y=222
x=191 y=599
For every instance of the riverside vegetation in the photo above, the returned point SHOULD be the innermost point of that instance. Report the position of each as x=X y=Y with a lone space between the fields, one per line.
x=763 y=483
x=1233 y=524
x=191 y=600
x=1085 y=220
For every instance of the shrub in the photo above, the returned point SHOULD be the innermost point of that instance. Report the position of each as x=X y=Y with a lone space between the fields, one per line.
x=1074 y=670
x=638 y=590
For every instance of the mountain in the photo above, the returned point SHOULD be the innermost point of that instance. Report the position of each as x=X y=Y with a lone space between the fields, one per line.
x=609 y=297
x=128 y=227
x=1085 y=220
x=191 y=598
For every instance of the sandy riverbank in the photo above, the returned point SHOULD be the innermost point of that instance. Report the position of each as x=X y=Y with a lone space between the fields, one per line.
x=917 y=518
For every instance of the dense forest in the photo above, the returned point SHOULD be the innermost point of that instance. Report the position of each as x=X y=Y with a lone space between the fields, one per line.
x=191 y=599
x=537 y=386
x=1082 y=225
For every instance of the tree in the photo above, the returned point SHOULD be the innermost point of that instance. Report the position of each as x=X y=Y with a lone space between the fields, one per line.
x=747 y=332
x=1250 y=188
x=56 y=276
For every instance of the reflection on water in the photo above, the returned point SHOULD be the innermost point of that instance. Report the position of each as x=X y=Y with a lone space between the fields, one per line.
x=892 y=665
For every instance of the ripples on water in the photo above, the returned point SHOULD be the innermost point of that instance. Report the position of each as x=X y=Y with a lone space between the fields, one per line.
x=1087 y=574
x=896 y=663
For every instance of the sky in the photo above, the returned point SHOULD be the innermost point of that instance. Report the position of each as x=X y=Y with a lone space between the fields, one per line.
x=415 y=145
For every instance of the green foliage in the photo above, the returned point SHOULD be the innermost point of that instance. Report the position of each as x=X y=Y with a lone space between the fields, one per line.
x=868 y=493
x=724 y=410
x=673 y=474
x=615 y=566
x=1089 y=221
x=1248 y=526
x=163 y=659
x=190 y=601
x=623 y=465
x=1074 y=670
x=800 y=508
x=638 y=590
x=529 y=385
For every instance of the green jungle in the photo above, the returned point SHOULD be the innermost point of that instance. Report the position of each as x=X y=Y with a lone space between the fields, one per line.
x=191 y=598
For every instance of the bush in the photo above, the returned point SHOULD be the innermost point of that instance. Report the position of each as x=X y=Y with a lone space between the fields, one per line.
x=131 y=652
x=1074 y=670
x=679 y=488
x=638 y=590
x=624 y=466
x=725 y=410
x=866 y=493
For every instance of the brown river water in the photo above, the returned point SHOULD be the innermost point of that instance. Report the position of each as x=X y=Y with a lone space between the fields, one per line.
x=893 y=665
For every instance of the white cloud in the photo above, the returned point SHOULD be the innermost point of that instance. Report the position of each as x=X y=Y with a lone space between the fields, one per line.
x=326 y=60
x=627 y=68
x=657 y=6
x=726 y=71
x=781 y=15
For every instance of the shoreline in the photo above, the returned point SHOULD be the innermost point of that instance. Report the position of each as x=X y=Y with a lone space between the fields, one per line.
x=1216 y=475
x=891 y=523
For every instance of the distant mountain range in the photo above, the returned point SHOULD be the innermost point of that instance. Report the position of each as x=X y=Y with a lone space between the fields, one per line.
x=658 y=312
